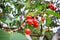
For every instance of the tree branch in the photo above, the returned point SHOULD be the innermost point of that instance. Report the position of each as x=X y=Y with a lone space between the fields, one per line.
x=36 y=35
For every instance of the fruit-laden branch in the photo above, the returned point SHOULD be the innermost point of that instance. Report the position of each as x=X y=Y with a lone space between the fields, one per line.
x=35 y=35
x=11 y=28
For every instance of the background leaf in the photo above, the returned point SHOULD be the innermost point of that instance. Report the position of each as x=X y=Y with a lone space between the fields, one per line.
x=12 y=36
x=52 y=13
x=48 y=21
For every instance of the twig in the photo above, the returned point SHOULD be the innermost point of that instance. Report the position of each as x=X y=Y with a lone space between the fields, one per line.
x=35 y=35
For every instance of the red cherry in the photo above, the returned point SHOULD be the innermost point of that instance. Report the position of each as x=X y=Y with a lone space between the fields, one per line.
x=35 y=25
x=35 y=20
x=28 y=17
x=52 y=7
x=27 y=31
x=42 y=19
x=30 y=21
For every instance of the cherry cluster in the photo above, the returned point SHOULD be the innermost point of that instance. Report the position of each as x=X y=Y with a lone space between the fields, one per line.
x=32 y=21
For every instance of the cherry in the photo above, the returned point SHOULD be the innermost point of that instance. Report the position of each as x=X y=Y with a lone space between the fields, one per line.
x=35 y=25
x=42 y=19
x=28 y=17
x=30 y=21
x=35 y=20
x=52 y=7
x=27 y=31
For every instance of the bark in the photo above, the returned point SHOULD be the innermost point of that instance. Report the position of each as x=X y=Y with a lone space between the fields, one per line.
x=35 y=35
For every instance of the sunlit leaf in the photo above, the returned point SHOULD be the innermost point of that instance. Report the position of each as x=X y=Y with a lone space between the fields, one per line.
x=48 y=21
x=12 y=36
x=52 y=13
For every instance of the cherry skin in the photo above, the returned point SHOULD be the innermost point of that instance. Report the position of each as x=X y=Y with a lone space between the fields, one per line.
x=27 y=31
x=28 y=17
x=52 y=7
x=30 y=21
x=42 y=19
x=35 y=20
x=35 y=25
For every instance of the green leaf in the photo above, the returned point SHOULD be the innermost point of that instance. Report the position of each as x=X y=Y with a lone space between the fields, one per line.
x=17 y=36
x=31 y=13
x=8 y=20
x=4 y=35
x=43 y=32
x=48 y=35
x=48 y=21
x=40 y=8
x=7 y=0
x=52 y=13
x=12 y=36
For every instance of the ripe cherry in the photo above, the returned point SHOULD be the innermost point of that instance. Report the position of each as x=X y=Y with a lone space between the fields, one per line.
x=35 y=20
x=52 y=7
x=28 y=17
x=27 y=31
x=35 y=25
x=42 y=19
x=30 y=21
